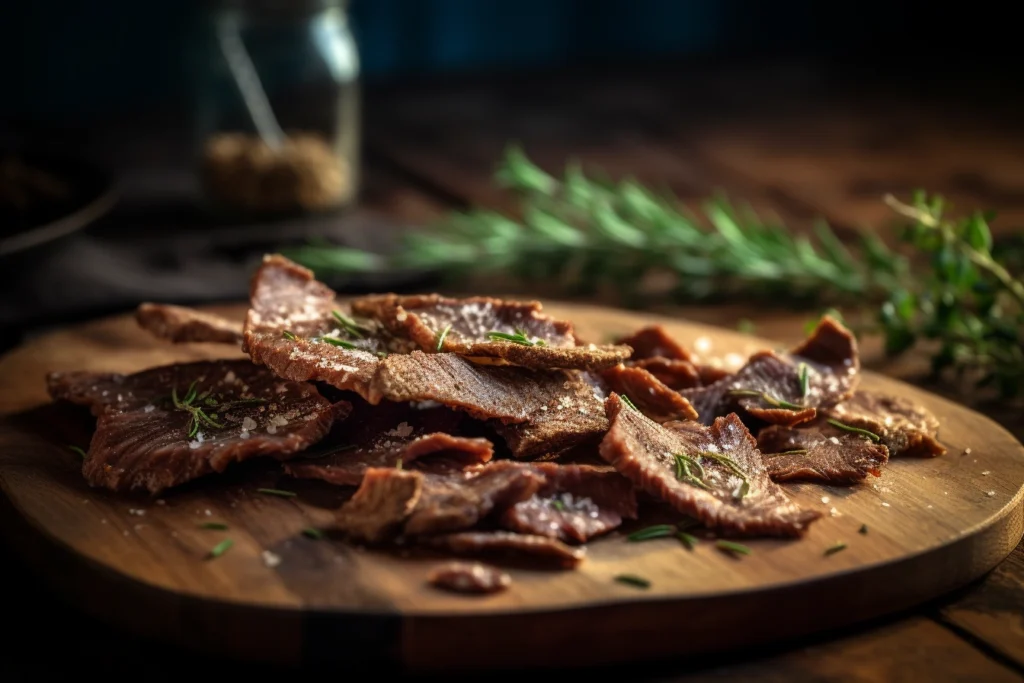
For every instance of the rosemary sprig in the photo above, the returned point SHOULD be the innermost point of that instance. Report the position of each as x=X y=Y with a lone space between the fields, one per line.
x=855 y=430
x=350 y=325
x=730 y=464
x=805 y=380
x=689 y=541
x=80 y=451
x=198 y=416
x=767 y=398
x=289 y=336
x=629 y=404
x=652 y=532
x=315 y=534
x=838 y=546
x=334 y=341
x=441 y=336
x=633 y=580
x=278 y=492
x=733 y=548
x=518 y=337
x=684 y=473
x=221 y=548
x=795 y=451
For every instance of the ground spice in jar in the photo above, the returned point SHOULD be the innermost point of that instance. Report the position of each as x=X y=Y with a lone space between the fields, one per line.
x=303 y=174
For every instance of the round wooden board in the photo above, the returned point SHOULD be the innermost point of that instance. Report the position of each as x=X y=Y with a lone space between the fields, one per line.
x=933 y=525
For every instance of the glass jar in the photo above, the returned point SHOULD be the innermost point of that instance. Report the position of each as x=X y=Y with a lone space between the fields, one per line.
x=279 y=107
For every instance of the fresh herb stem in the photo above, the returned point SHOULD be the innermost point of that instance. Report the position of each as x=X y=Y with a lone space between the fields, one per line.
x=629 y=404
x=313 y=533
x=80 y=451
x=689 y=541
x=795 y=451
x=855 y=430
x=350 y=325
x=839 y=546
x=733 y=548
x=221 y=548
x=515 y=338
x=766 y=398
x=633 y=580
x=278 y=492
x=803 y=374
x=652 y=532
x=442 y=335
x=289 y=336
x=334 y=341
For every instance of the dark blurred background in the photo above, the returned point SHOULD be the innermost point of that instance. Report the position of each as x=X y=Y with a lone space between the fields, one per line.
x=117 y=86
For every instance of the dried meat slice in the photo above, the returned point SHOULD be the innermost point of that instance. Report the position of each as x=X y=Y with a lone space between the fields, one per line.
x=390 y=434
x=675 y=374
x=297 y=329
x=512 y=332
x=903 y=427
x=787 y=389
x=183 y=325
x=164 y=426
x=577 y=503
x=820 y=453
x=378 y=509
x=714 y=474
x=472 y=578
x=508 y=544
x=654 y=342
x=648 y=394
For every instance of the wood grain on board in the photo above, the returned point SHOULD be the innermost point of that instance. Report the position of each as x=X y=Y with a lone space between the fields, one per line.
x=934 y=525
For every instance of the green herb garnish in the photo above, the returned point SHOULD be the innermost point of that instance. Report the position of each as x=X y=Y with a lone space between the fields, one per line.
x=221 y=548
x=442 y=336
x=731 y=465
x=685 y=465
x=558 y=505
x=684 y=473
x=310 y=532
x=795 y=451
x=633 y=580
x=855 y=430
x=518 y=337
x=79 y=450
x=278 y=492
x=350 y=325
x=289 y=336
x=215 y=526
x=805 y=379
x=198 y=416
x=767 y=398
x=688 y=540
x=625 y=399
x=334 y=341
x=734 y=548
x=833 y=549
x=652 y=532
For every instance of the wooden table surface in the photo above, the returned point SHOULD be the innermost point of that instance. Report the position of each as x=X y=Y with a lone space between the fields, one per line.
x=798 y=140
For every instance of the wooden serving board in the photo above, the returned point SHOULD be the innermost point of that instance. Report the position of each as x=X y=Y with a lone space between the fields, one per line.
x=933 y=525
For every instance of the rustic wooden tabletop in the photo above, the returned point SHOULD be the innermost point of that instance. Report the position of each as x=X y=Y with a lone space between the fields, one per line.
x=795 y=139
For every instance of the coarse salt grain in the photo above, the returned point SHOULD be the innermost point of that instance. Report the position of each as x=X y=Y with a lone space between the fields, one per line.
x=825 y=499
x=834 y=513
x=886 y=505
x=148 y=409
x=270 y=559
x=986 y=473
x=990 y=494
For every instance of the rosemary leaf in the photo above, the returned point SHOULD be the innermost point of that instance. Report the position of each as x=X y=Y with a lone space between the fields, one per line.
x=517 y=338
x=689 y=541
x=350 y=325
x=334 y=341
x=652 y=532
x=795 y=451
x=833 y=549
x=733 y=548
x=221 y=548
x=80 y=451
x=441 y=337
x=289 y=336
x=313 y=533
x=278 y=492
x=855 y=430
x=802 y=372
x=633 y=580
x=629 y=404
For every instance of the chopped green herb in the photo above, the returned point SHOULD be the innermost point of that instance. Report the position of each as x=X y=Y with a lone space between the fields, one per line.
x=795 y=451
x=805 y=380
x=334 y=341
x=517 y=338
x=625 y=399
x=278 y=492
x=349 y=325
x=221 y=548
x=734 y=548
x=557 y=504
x=652 y=532
x=688 y=540
x=770 y=400
x=315 y=534
x=855 y=430
x=684 y=473
x=197 y=416
x=633 y=580
x=733 y=467
x=289 y=336
x=215 y=526
x=863 y=529
x=79 y=450
x=442 y=336
x=833 y=549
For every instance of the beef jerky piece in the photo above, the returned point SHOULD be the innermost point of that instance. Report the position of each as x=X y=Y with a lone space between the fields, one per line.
x=714 y=474
x=293 y=327
x=165 y=426
x=675 y=374
x=472 y=578
x=513 y=332
x=182 y=325
x=769 y=386
x=654 y=342
x=507 y=544
x=392 y=433
x=577 y=503
x=378 y=509
x=903 y=427
x=648 y=394
x=820 y=453
x=418 y=503
x=570 y=413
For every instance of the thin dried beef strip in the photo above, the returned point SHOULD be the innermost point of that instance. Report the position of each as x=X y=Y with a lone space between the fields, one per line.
x=577 y=503
x=501 y=544
x=902 y=426
x=654 y=342
x=714 y=474
x=517 y=333
x=293 y=328
x=675 y=374
x=378 y=509
x=182 y=325
x=392 y=433
x=821 y=453
x=473 y=578
x=648 y=394
x=164 y=426
x=769 y=386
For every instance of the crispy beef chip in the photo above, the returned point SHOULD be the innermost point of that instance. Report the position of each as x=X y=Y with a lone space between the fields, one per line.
x=769 y=387
x=654 y=342
x=471 y=578
x=714 y=474
x=513 y=332
x=820 y=453
x=675 y=374
x=164 y=426
x=391 y=433
x=902 y=426
x=648 y=394
x=499 y=544
x=183 y=325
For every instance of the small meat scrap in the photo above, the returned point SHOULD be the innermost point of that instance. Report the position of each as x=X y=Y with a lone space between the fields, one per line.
x=577 y=503
x=471 y=578
x=182 y=325
x=393 y=435
x=902 y=426
x=820 y=452
x=714 y=474
x=392 y=502
x=506 y=544
x=654 y=342
x=648 y=394
x=517 y=333
x=675 y=374
x=787 y=389
x=168 y=425
x=295 y=327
